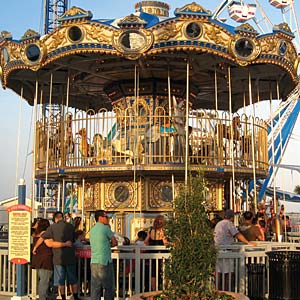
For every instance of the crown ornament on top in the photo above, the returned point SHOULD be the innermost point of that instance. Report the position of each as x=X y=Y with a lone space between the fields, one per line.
x=75 y=14
x=132 y=21
x=283 y=28
x=192 y=9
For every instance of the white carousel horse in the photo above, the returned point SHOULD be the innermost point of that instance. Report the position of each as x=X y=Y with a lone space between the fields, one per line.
x=101 y=152
x=178 y=121
x=176 y=129
x=119 y=146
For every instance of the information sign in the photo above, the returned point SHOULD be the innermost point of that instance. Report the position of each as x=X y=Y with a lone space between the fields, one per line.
x=19 y=233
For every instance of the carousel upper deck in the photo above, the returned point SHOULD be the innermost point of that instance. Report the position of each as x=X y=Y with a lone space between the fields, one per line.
x=103 y=144
x=148 y=92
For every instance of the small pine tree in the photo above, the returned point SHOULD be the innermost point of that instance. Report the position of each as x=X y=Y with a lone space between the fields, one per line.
x=297 y=189
x=193 y=252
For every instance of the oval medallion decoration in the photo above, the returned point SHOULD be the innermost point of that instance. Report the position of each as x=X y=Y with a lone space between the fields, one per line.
x=245 y=49
x=282 y=48
x=132 y=42
x=33 y=53
x=75 y=34
x=193 y=30
x=121 y=193
x=5 y=55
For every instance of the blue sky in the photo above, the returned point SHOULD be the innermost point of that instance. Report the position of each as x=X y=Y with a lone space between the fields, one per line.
x=17 y=16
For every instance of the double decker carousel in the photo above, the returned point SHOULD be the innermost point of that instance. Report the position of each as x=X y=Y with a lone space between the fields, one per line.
x=126 y=109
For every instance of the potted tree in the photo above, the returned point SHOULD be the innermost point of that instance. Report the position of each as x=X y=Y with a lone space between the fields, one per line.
x=189 y=271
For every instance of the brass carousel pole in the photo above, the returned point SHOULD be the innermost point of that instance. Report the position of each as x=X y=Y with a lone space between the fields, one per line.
x=18 y=141
x=232 y=185
x=34 y=143
x=277 y=167
x=187 y=125
x=252 y=144
x=48 y=144
x=170 y=117
x=273 y=150
x=136 y=95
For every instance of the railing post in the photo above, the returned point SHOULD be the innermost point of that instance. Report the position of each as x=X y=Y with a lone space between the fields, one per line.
x=242 y=273
x=20 y=268
x=137 y=273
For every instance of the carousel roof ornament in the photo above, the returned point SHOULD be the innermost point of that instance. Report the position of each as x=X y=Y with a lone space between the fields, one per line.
x=75 y=14
x=30 y=34
x=246 y=29
x=132 y=21
x=284 y=29
x=192 y=9
x=100 y=54
x=5 y=35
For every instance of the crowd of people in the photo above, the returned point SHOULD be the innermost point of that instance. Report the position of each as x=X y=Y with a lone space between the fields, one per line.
x=252 y=228
x=53 y=252
x=54 y=256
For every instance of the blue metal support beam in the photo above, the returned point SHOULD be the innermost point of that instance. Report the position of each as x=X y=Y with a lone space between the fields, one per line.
x=280 y=143
x=53 y=9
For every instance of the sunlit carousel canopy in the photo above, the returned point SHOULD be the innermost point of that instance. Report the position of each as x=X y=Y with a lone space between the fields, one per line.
x=97 y=62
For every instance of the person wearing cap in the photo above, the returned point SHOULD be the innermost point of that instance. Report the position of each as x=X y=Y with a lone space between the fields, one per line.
x=224 y=234
x=102 y=271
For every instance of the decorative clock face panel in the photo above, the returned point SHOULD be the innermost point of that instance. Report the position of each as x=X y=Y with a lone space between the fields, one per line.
x=162 y=194
x=166 y=193
x=121 y=193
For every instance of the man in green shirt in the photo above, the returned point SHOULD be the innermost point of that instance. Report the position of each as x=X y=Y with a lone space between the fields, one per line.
x=102 y=272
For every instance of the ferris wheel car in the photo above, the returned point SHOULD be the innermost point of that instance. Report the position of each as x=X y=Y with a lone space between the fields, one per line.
x=280 y=3
x=241 y=12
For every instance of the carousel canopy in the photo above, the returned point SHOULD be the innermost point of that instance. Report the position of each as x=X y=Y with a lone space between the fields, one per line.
x=88 y=63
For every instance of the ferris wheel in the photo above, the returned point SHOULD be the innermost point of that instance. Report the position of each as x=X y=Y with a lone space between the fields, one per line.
x=282 y=121
x=255 y=12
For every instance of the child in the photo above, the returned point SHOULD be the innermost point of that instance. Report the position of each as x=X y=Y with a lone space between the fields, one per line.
x=141 y=238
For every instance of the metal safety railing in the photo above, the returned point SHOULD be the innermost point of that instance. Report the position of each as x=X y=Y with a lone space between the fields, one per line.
x=140 y=269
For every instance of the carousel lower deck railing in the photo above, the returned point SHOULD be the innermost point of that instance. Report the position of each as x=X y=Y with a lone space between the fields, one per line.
x=140 y=269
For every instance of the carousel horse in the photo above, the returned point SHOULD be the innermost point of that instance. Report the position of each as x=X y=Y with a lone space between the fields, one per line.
x=101 y=152
x=69 y=141
x=85 y=148
x=227 y=133
x=178 y=121
x=119 y=147
x=173 y=130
